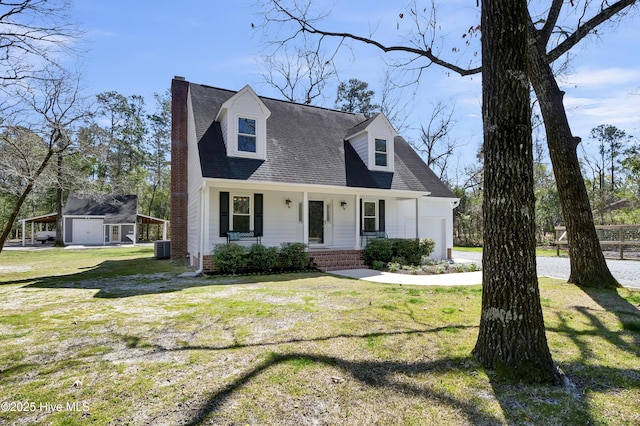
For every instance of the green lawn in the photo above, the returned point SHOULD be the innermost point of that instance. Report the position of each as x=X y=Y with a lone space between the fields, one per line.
x=114 y=337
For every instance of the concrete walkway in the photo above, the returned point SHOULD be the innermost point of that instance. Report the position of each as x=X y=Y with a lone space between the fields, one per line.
x=625 y=271
x=463 y=278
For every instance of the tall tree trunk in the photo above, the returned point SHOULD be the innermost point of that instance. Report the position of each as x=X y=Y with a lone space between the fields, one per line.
x=59 y=222
x=511 y=337
x=588 y=266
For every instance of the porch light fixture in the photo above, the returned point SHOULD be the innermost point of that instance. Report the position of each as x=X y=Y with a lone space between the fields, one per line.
x=288 y=202
x=343 y=204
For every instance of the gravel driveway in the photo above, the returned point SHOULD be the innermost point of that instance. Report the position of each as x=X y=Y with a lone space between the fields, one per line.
x=627 y=272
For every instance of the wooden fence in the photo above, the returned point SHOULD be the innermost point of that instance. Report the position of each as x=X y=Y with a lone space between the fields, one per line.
x=617 y=236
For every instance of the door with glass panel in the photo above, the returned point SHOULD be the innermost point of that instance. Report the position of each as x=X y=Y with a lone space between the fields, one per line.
x=316 y=222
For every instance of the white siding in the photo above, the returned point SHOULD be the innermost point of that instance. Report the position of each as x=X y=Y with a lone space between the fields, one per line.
x=344 y=227
x=361 y=145
x=224 y=126
x=435 y=222
x=281 y=224
x=194 y=179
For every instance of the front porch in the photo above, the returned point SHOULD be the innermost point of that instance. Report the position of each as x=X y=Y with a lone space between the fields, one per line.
x=321 y=220
x=334 y=225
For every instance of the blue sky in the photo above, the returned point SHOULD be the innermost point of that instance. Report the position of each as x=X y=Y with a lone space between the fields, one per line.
x=136 y=47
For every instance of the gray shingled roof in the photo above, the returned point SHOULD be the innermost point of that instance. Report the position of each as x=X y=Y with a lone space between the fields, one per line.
x=305 y=145
x=115 y=208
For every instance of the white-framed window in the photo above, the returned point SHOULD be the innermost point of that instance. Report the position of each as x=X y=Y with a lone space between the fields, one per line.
x=247 y=134
x=380 y=152
x=241 y=213
x=369 y=216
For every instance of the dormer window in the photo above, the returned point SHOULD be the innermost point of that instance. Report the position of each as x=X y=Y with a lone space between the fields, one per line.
x=373 y=140
x=381 y=152
x=243 y=121
x=246 y=135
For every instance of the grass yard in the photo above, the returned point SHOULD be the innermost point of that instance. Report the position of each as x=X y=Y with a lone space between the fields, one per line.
x=114 y=337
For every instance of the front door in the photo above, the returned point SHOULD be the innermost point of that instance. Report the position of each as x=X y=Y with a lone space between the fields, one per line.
x=115 y=233
x=316 y=222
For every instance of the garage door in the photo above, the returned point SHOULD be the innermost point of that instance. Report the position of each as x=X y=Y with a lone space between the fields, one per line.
x=87 y=231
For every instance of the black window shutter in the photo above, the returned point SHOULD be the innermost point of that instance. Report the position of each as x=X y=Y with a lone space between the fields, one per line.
x=258 y=210
x=361 y=218
x=224 y=213
x=381 y=216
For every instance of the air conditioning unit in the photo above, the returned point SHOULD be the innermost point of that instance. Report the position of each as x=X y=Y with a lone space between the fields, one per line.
x=162 y=249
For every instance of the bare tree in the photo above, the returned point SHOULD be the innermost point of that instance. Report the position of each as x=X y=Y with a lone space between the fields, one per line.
x=435 y=145
x=32 y=35
x=300 y=76
x=36 y=130
x=393 y=103
x=550 y=40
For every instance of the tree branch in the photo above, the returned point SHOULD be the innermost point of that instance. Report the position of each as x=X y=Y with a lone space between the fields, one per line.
x=305 y=26
x=583 y=30
x=550 y=23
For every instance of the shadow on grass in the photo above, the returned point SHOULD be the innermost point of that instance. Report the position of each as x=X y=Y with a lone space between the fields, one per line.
x=571 y=403
x=135 y=277
x=521 y=404
x=627 y=313
x=368 y=373
x=585 y=375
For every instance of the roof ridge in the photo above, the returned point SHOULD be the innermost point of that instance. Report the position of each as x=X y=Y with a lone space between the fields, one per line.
x=280 y=100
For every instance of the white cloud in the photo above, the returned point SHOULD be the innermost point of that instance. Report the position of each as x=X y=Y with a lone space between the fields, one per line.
x=586 y=78
x=621 y=110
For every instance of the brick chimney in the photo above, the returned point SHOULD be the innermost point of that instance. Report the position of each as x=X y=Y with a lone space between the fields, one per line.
x=179 y=173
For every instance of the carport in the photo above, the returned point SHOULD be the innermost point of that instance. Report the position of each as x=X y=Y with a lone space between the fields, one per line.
x=148 y=220
x=40 y=220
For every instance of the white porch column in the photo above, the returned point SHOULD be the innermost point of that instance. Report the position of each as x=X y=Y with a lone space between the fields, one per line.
x=164 y=231
x=135 y=232
x=23 y=228
x=357 y=221
x=305 y=218
x=32 y=233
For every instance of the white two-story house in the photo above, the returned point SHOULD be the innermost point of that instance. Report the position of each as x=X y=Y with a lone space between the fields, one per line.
x=251 y=169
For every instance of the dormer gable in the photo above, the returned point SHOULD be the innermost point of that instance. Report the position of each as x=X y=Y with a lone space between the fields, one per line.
x=243 y=119
x=373 y=140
